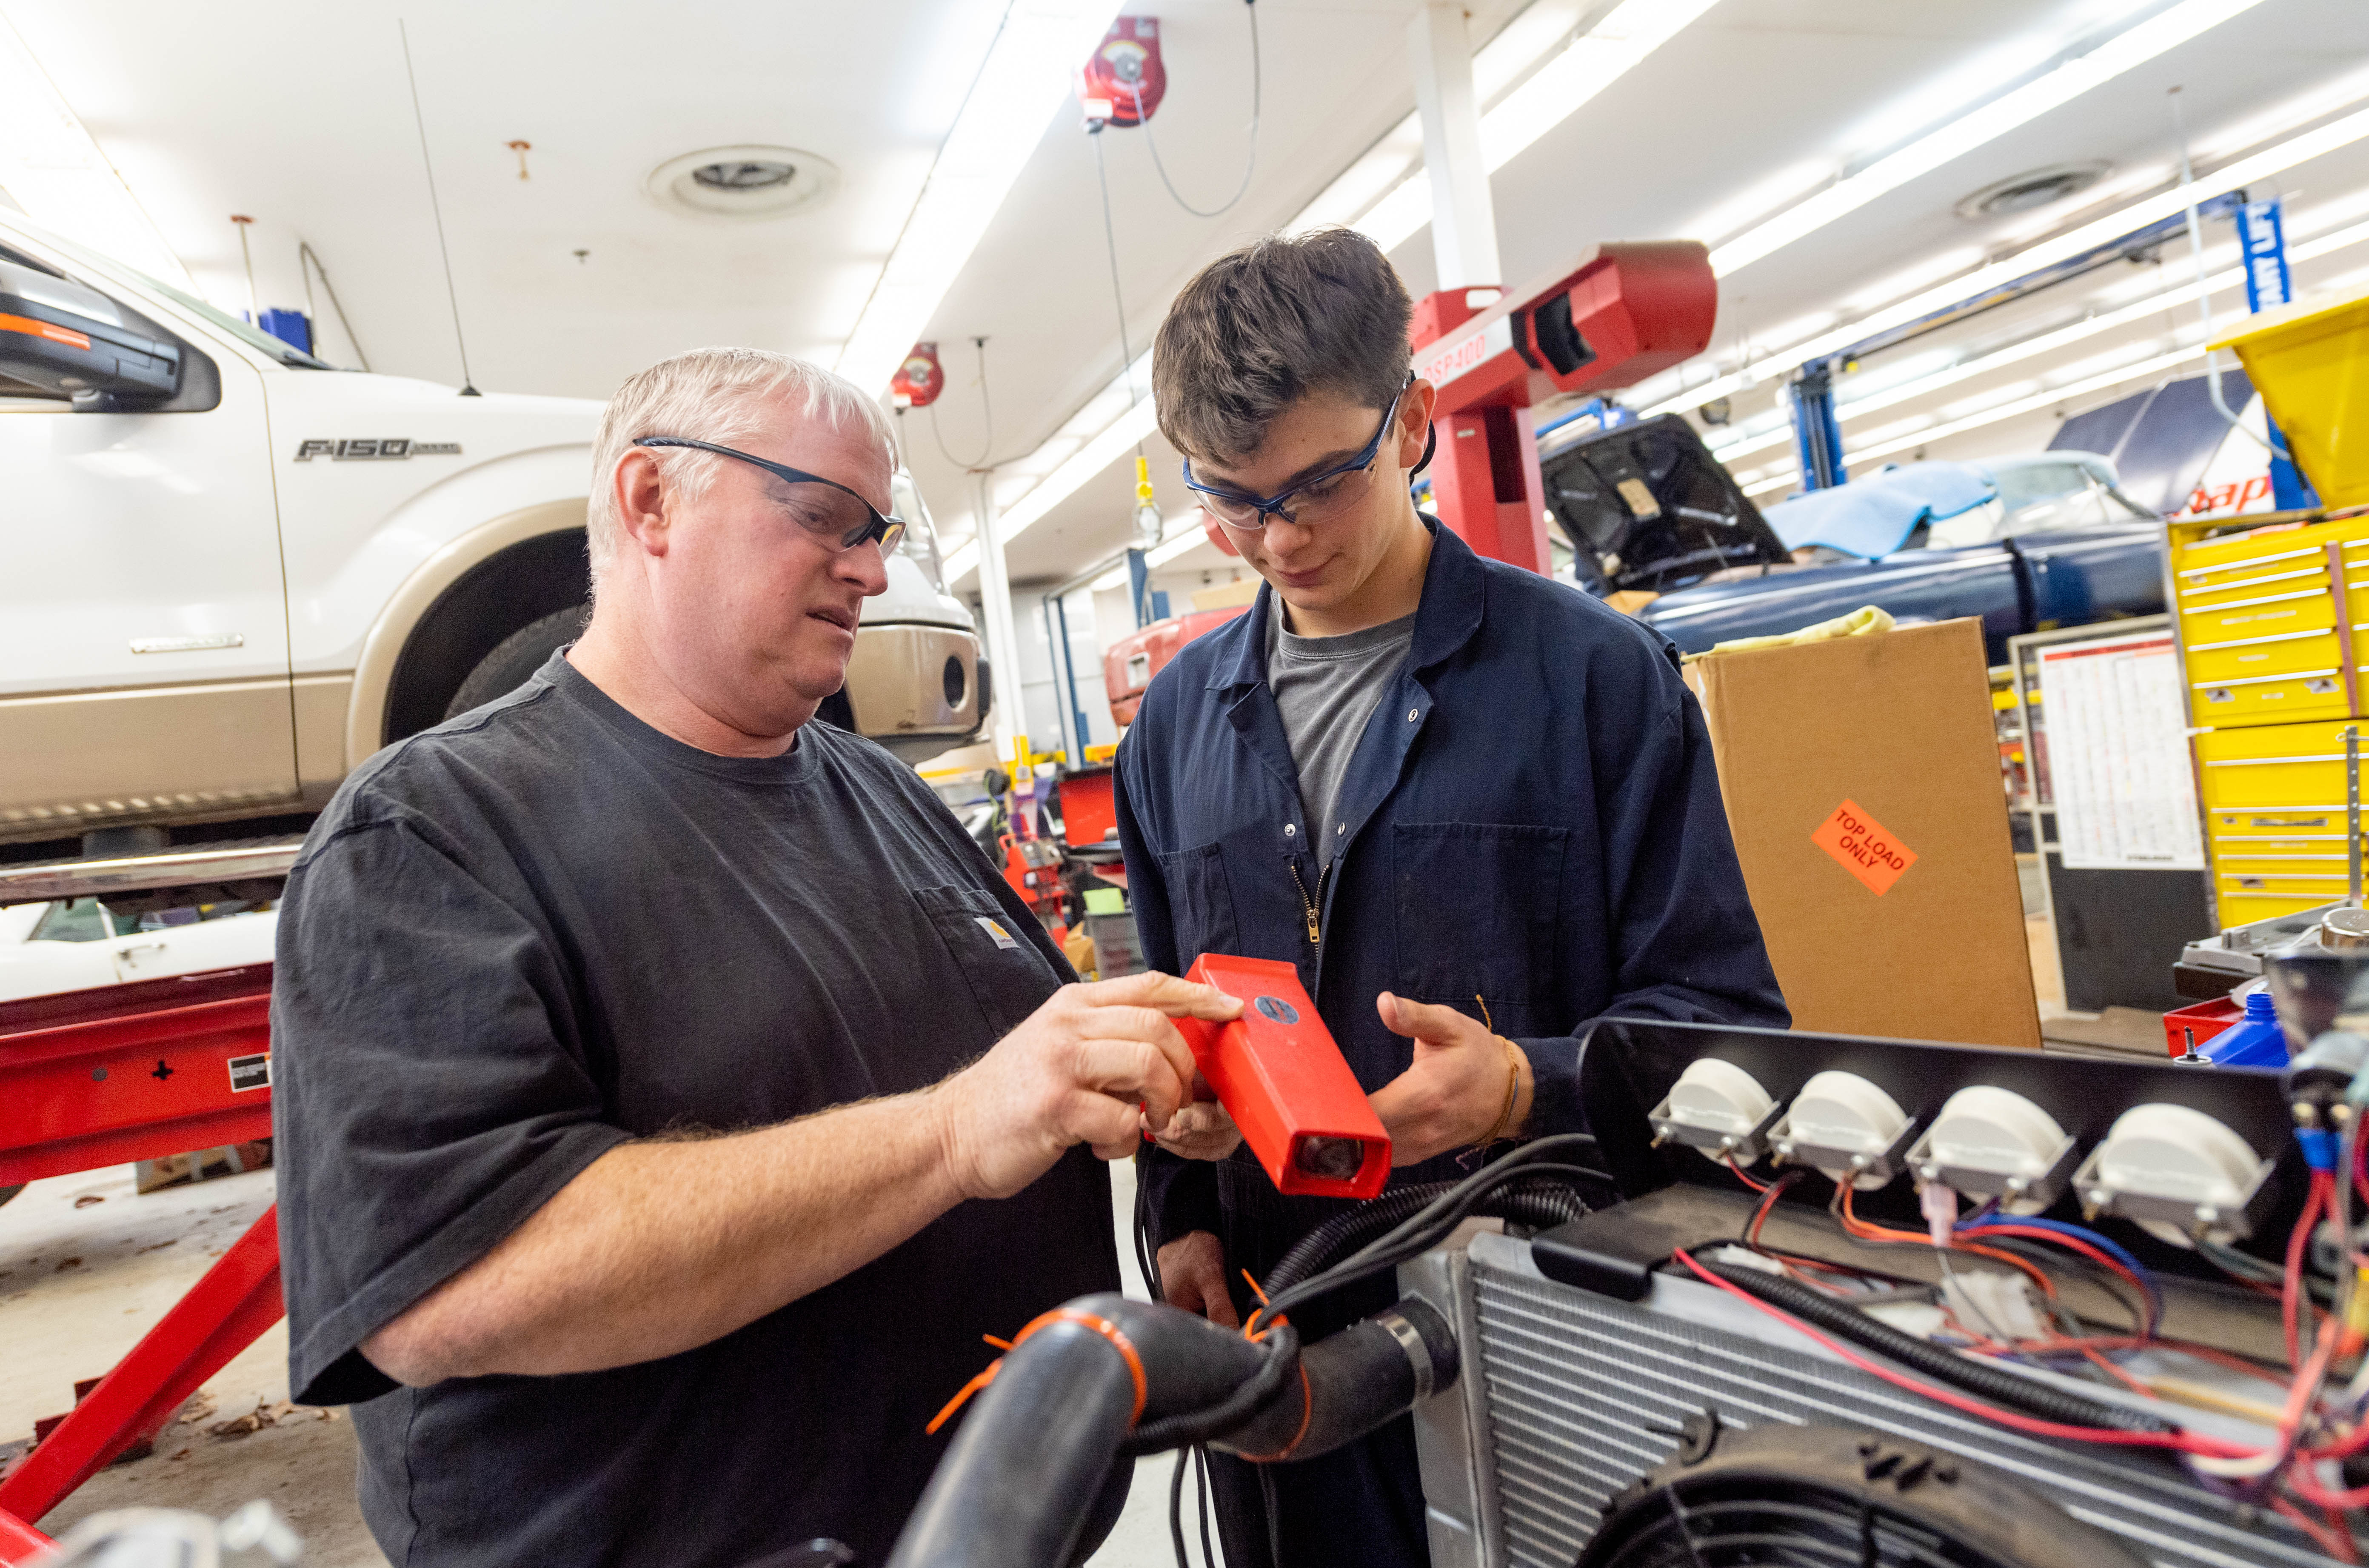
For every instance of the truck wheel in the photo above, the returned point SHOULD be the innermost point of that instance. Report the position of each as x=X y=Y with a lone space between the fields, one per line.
x=516 y=658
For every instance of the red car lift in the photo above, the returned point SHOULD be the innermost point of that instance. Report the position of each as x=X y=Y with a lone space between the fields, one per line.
x=137 y=1072
x=1622 y=313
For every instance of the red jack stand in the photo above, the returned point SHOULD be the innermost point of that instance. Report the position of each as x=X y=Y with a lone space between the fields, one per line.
x=137 y=1072
x=20 y=1542
x=222 y=1314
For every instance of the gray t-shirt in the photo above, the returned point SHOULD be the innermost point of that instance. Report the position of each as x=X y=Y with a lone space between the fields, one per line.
x=1326 y=689
x=544 y=928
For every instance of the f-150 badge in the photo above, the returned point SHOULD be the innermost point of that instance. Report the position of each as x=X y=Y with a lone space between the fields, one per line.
x=395 y=447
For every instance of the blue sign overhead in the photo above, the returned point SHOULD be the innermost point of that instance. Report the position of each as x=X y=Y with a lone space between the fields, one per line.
x=2269 y=285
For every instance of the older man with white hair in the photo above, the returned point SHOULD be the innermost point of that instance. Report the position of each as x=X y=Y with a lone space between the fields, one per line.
x=670 y=1097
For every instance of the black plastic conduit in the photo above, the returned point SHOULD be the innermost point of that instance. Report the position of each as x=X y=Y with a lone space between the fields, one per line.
x=1541 y=1205
x=1993 y=1383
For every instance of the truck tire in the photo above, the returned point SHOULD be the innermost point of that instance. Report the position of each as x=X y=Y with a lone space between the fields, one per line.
x=516 y=658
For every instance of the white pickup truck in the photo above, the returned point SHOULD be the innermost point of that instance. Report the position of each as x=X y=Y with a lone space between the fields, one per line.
x=234 y=572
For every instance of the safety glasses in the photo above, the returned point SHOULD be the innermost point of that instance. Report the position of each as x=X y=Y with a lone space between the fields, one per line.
x=1310 y=501
x=824 y=508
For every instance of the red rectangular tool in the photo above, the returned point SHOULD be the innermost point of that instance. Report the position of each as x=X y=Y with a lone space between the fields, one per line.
x=1277 y=1073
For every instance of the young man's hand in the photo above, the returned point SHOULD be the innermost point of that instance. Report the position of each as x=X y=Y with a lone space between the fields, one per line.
x=1455 y=1090
x=1093 y=1065
x=1192 y=1277
x=1200 y=1130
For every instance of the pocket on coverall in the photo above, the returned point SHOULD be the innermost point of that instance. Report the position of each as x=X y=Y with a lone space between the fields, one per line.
x=1200 y=903
x=1479 y=909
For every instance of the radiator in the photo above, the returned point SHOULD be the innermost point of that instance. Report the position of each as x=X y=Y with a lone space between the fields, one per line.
x=1567 y=1397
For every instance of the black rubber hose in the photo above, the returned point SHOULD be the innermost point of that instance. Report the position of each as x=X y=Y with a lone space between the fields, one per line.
x=1995 y=1384
x=1017 y=1483
x=1371 y=1373
x=1541 y=1205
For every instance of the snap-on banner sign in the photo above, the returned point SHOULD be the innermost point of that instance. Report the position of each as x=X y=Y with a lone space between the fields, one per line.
x=1862 y=847
x=1861 y=779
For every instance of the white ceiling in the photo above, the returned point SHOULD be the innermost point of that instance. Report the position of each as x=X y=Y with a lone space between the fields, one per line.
x=298 y=114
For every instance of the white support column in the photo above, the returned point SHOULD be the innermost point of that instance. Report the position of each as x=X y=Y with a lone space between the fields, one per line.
x=995 y=608
x=1463 y=219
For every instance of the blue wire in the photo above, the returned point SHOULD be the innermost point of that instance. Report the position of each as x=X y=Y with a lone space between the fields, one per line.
x=2113 y=1250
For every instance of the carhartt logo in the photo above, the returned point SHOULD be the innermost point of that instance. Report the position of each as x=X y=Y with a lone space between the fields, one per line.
x=1003 y=938
x=1862 y=847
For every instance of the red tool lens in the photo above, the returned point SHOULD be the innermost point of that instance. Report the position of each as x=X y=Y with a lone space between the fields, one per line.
x=1280 y=1074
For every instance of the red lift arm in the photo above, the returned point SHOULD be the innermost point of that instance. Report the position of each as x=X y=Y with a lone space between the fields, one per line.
x=1625 y=312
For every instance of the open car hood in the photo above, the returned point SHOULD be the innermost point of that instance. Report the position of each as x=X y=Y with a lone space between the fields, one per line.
x=1647 y=506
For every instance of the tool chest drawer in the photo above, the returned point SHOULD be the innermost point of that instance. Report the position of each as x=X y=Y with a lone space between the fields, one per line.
x=2267 y=624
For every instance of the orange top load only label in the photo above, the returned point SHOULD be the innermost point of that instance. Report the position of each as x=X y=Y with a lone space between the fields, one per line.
x=1860 y=846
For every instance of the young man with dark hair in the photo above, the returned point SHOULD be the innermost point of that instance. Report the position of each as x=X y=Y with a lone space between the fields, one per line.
x=1475 y=807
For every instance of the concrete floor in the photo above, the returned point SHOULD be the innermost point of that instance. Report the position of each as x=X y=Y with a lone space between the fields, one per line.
x=87 y=1266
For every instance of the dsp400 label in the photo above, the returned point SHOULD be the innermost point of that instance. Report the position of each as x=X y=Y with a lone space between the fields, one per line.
x=378 y=450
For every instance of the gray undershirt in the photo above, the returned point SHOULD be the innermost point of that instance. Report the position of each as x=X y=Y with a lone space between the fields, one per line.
x=1326 y=689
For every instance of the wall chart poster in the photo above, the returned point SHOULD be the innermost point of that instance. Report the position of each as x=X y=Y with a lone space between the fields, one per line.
x=2118 y=754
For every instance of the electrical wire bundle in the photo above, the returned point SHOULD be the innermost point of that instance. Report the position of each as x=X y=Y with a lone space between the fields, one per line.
x=1525 y=1184
x=2317 y=1424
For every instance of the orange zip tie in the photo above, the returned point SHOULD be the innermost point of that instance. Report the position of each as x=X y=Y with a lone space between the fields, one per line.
x=1270 y=1328
x=1101 y=1325
x=998 y=1344
x=1307 y=1414
x=962 y=1396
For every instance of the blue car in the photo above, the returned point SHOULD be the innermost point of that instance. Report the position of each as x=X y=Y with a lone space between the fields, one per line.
x=2024 y=545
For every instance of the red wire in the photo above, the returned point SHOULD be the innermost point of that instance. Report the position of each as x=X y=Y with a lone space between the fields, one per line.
x=2075 y=1243
x=2323 y=1186
x=1865 y=1230
x=2360 y=1170
x=2332 y=1538
x=2186 y=1442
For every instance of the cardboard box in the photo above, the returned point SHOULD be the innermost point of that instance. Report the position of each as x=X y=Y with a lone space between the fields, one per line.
x=1862 y=786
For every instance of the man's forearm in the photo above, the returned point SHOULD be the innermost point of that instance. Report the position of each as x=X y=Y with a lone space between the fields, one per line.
x=658 y=1247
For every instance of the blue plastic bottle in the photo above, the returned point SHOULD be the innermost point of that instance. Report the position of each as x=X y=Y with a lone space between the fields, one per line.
x=2255 y=1040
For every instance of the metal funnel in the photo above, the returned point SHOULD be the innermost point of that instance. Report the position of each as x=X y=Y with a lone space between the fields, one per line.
x=2322 y=981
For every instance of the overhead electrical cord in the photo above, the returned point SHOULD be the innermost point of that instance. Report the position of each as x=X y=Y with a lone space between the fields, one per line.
x=2204 y=297
x=986 y=404
x=1250 y=165
x=1119 y=296
x=309 y=262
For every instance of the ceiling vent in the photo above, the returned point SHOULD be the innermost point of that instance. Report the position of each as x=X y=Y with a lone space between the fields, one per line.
x=2035 y=188
x=743 y=182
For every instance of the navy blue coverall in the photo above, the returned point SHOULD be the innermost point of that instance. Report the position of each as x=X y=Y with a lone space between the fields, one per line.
x=1531 y=819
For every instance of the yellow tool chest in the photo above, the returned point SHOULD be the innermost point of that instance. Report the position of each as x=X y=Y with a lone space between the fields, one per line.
x=2274 y=648
x=2273 y=627
x=2274 y=818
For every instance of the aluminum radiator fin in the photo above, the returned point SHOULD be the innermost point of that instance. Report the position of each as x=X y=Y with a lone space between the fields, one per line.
x=1585 y=1394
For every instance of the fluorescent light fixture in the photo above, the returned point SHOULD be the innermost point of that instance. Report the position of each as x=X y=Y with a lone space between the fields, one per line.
x=2045 y=343
x=1118 y=437
x=961 y=561
x=53 y=170
x=2245 y=171
x=1365 y=196
x=1021 y=86
x=1597 y=59
x=2126 y=50
x=1114 y=578
x=1184 y=544
x=2047 y=397
x=1553 y=94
